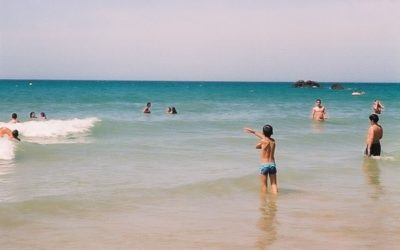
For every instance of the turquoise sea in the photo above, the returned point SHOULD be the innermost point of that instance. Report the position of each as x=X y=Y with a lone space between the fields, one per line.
x=100 y=174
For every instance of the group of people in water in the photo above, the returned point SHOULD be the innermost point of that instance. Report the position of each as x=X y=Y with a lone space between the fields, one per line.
x=267 y=143
x=32 y=116
x=169 y=110
x=42 y=116
x=318 y=113
x=14 y=134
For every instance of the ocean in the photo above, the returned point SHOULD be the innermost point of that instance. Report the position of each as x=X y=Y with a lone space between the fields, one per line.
x=100 y=174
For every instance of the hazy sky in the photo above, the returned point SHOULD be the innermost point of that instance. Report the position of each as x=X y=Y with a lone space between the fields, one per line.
x=238 y=40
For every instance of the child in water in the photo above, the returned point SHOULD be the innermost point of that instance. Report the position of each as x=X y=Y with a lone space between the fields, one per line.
x=267 y=158
x=146 y=109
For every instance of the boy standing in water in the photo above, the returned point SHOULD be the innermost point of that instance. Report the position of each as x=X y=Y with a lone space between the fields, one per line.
x=267 y=158
x=318 y=113
x=375 y=133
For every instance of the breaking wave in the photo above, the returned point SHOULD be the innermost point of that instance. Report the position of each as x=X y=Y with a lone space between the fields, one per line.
x=46 y=132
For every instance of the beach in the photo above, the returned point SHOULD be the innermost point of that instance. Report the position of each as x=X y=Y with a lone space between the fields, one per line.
x=100 y=174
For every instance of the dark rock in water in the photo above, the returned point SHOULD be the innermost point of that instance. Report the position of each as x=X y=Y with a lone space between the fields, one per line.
x=337 y=86
x=306 y=84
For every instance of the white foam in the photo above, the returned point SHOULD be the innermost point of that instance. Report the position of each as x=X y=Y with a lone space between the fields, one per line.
x=49 y=130
x=7 y=149
x=384 y=158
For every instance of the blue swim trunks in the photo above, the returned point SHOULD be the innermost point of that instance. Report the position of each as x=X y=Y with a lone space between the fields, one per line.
x=268 y=168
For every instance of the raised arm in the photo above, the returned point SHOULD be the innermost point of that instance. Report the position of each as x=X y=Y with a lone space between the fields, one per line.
x=252 y=131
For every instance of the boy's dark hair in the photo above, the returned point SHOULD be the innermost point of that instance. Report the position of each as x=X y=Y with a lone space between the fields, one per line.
x=14 y=115
x=374 y=118
x=267 y=130
x=15 y=134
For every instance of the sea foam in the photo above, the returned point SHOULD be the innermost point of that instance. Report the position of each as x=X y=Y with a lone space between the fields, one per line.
x=7 y=149
x=52 y=131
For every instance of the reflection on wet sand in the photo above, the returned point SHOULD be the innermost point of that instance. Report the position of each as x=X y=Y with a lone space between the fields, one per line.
x=372 y=173
x=267 y=222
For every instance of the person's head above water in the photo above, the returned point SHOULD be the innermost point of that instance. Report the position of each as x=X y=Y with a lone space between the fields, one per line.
x=14 y=115
x=267 y=130
x=374 y=118
x=15 y=134
x=32 y=115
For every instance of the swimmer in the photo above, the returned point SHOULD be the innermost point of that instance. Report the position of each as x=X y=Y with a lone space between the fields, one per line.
x=375 y=133
x=43 y=116
x=11 y=134
x=267 y=158
x=171 y=110
x=318 y=113
x=14 y=118
x=32 y=116
x=146 y=109
x=377 y=107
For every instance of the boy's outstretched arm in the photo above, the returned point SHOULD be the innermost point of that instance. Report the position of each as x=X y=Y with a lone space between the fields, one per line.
x=252 y=131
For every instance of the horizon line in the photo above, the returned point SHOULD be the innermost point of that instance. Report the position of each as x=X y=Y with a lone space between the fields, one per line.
x=196 y=81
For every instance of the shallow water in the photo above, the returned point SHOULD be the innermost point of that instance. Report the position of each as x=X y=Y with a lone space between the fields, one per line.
x=99 y=174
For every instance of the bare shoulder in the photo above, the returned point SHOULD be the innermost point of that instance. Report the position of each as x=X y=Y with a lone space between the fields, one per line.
x=268 y=141
x=272 y=140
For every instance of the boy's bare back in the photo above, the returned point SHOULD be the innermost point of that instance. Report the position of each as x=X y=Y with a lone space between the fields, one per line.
x=267 y=153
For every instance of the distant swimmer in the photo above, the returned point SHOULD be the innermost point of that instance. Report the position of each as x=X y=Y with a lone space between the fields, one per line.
x=11 y=134
x=171 y=110
x=377 y=107
x=318 y=113
x=14 y=118
x=375 y=133
x=43 y=116
x=146 y=109
x=267 y=158
x=32 y=116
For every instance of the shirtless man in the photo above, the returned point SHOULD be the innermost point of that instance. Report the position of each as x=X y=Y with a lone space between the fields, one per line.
x=267 y=158
x=11 y=134
x=14 y=118
x=377 y=107
x=318 y=112
x=375 y=133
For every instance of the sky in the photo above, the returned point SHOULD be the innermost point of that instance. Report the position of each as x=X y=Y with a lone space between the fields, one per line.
x=201 y=40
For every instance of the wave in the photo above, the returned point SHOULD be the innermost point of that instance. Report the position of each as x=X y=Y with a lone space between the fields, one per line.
x=7 y=149
x=46 y=132
x=52 y=128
